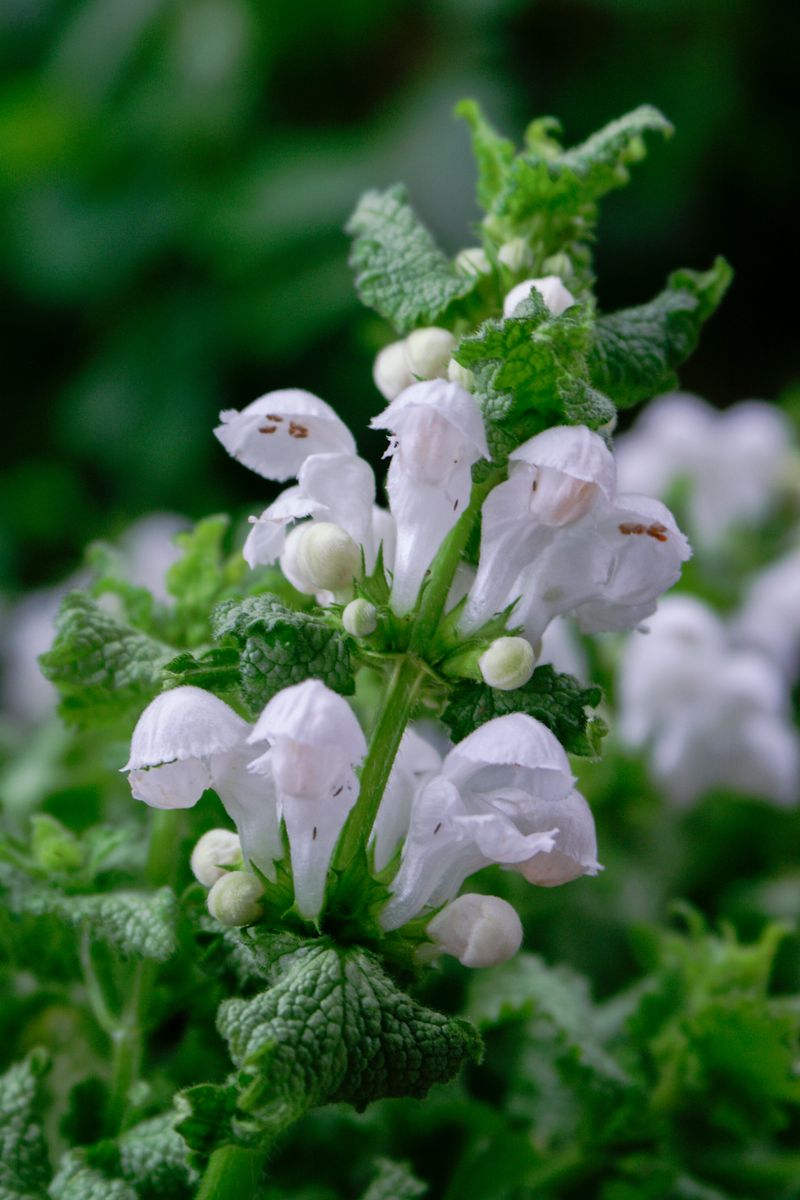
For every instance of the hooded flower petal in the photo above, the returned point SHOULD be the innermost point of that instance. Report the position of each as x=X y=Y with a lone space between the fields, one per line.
x=438 y=434
x=554 y=480
x=492 y=802
x=315 y=742
x=575 y=850
x=276 y=433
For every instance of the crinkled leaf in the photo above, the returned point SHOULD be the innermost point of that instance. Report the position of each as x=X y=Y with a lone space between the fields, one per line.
x=76 y=1180
x=136 y=923
x=400 y=271
x=334 y=1027
x=557 y=700
x=493 y=154
x=216 y=670
x=636 y=351
x=24 y=1166
x=205 y=1115
x=152 y=1157
x=394 y=1181
x=199 y=577
x=526 y=987
x=279 y=647
x=102 y=667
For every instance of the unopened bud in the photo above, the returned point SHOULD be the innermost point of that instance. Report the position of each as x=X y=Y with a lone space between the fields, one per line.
x=460 y=375
x=360 y=618
x=473 y=261
x=217 y=850
x=558 y=264
x=480 y=931
x=428 y=352
x=234 y=900
x=320 y=556
x=550 y=288
x=514 y=254
x=508 y=663
x=391 y=372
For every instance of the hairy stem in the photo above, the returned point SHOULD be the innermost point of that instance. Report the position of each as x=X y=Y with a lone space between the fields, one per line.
x=233 y=1173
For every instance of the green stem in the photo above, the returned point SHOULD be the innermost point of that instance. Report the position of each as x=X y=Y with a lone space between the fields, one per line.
x=233 y=1173
x=398 y=704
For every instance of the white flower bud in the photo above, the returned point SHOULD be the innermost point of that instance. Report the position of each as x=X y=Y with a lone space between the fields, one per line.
x=473 y=261
x=550 y=288
x=360 y=618
x=234 y=899
x=508 y=663
x=320 y=556
x=428 y=352
x=480 y=931
x=514 y=254
x=460 y=375
x=391 y=372
x=216 y=850
x=559 y=264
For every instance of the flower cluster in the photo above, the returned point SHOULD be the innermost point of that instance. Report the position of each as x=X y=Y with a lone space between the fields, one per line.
x=557 y=537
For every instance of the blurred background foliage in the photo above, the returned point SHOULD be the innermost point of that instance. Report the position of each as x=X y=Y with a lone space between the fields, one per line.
x=175 y=174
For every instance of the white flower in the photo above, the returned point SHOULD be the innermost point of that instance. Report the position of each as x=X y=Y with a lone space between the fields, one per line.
x=315 y=742
x=733 y=460
x=276 y=433
x=553 y=480
x=561 y=648
x=216 y=850
x=480 y=931
x=556 y=296
x=497 y=799
x=437 y=435
x=187 y=741
x=770 y=616
x=416 y=761
x=712 y=716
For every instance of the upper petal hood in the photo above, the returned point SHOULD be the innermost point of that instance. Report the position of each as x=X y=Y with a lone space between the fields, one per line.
x=276 y=433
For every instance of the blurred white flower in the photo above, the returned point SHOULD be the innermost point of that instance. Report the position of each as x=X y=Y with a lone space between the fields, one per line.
x=437 y=434
x=769 y=619
x=502 y=796
x=710 y=715
x=733 y=461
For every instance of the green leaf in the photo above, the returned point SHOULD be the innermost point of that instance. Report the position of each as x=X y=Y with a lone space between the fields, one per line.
x=394 y=1181
x=333 y=1027
x=205 y=1115
x=279 y=647
x=152 y=1157
x=400 y=271
x=525 y=988
x=216 y=670
x=102 y=668
x=75 y=1180
x=199 y=577
x=24 y=1165
x=531 y=372
x=136 y=923
x=494 y=154
x=557 y=700
x=636 y=351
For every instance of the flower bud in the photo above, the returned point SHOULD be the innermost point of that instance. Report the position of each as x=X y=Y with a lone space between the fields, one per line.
x=234 y=899
x=360 y=618
x=559 y=264
x=473 y=261
x=480 y=931
x=508 y=663
x=514 y=254
x=216 y=850
x=320 y=556
x=391 y=372
x=550 y=288
x=460 y=375
x=428 y=352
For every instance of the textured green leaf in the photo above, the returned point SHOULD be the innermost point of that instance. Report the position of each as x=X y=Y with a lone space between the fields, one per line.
x=400 y=272
x=102 y=668
x=24 y=1166
x=394 y=1181
x=636 y=351
x=279 y=647
x=205 y=1115
x=75 y=1180
x=334 y=1027
x=199 y=577
x=557 y=700
x=152 y=1157
x=216 y=670
x=136 y=923
x=493 y=154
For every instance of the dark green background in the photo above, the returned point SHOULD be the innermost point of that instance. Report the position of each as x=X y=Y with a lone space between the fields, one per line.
x=174 y=177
